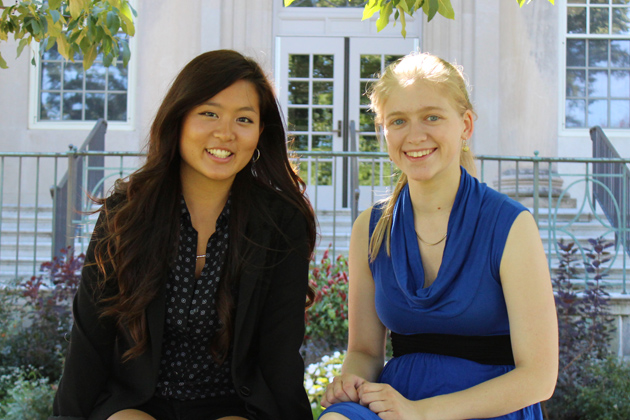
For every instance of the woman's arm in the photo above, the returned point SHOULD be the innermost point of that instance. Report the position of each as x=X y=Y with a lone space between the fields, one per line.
x=366 y=334
x=282 y=321
x=87 y=364
x=534 y=335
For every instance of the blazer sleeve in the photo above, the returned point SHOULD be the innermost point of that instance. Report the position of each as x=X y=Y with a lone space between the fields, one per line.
x=88 y=360
x=282 y=323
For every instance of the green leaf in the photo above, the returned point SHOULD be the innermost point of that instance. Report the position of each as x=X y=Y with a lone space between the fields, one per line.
x=431 y=8
x=126 y=54
x=76 y=8
x=383 y=18
x=127 y=17
x=370 y=8
x=446 y=9
x=3 y=64
x=55 y=15
x=108 y=59
x=54 y=4
x=89 y=57
x=113 y=22
x=23 y=43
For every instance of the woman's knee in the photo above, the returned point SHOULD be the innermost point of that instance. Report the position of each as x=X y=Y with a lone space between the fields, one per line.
x=130 y=415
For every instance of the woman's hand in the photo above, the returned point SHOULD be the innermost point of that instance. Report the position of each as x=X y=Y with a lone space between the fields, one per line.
x=385 y=401
x=343 y=388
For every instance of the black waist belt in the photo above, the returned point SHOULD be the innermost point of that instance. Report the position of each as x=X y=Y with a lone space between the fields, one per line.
x=488 y=350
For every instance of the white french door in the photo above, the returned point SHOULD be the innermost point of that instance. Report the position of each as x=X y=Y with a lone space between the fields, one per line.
x=321 y=84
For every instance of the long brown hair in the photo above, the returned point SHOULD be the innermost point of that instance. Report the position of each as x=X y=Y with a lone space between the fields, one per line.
x=410 y=69
x=139 y=237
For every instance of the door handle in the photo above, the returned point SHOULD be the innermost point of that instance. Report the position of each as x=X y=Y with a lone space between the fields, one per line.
x=338 y=130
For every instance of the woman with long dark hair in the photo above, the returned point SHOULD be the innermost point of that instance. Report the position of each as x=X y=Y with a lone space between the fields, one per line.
x=192 y=298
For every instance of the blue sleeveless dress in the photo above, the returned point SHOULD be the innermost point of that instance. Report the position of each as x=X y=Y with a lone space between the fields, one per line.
x=465 y=299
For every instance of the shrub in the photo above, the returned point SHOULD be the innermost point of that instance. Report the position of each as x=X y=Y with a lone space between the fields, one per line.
x=584 y=323
x=37 y=335
x=605 y=393
x=320 y=374
x=327 y=319
x=30 y=398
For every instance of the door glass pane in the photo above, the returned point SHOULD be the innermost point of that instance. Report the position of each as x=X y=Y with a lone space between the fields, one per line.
x=366 y=120
x=298 y=65
x=369 y=144
x=389 y=59
x=321 y=172
x=300 y=142
x=322 y=93
x=298 y=119
x=322 y=143
x=322 y=119
x=363 y=91
x=323 y=66
x=298 y=93
x=370 y=66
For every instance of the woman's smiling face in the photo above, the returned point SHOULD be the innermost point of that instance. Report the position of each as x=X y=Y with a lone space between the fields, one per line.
x=218 y=137
x=424 y=131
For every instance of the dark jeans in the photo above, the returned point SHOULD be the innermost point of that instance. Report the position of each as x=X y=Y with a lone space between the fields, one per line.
x=207 y=409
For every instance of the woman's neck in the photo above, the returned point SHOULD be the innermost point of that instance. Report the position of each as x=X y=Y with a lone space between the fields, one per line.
x=435 y=196
x=205 y=202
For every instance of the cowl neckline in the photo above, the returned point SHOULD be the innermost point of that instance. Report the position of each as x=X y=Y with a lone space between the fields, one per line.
x=405 y=251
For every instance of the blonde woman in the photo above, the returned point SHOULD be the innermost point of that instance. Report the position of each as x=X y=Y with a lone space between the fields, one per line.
x=455 y=270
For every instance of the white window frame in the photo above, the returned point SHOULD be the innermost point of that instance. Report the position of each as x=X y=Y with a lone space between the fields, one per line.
x=611 y=132
x=34 y=92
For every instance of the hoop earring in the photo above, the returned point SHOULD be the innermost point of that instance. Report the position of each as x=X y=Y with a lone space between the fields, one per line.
x=465 y=147
x=255 y=159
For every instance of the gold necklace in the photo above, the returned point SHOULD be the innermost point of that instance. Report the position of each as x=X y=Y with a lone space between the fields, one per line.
x=431 y=244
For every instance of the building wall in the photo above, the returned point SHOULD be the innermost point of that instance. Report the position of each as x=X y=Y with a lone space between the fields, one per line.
x=509 y=54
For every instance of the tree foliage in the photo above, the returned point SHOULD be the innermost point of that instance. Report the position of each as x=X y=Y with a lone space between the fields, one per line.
x=401 y=8
x=78 y=27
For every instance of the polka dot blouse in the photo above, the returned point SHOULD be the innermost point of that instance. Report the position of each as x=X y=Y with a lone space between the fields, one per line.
x=187 y=369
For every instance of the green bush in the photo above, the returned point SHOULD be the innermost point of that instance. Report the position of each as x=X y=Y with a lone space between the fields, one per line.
x=606 y=393
x=30 y=398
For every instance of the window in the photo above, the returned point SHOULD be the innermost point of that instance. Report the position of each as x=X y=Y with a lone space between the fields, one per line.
x=597 y=64
x=68 y=96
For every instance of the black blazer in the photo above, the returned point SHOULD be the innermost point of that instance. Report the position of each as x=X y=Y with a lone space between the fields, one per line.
x=267 y=368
